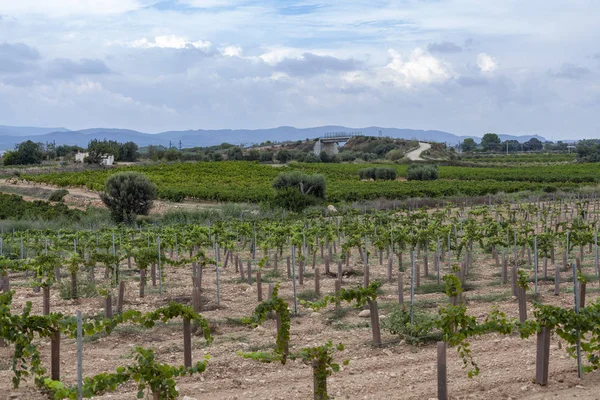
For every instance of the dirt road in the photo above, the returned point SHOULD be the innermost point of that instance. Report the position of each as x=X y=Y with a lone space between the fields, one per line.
x=415 y=155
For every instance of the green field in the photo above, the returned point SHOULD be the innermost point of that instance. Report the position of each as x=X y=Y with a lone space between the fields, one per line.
x=240 y=181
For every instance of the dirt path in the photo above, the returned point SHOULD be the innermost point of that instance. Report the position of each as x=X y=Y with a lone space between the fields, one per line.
x=415 y=155
x=80 y=197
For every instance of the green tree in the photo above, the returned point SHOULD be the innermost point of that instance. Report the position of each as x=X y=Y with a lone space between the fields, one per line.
x=253 y=155
x=128 y=152
x=127 y=195
x=490 y=142
x=296 y=191
x=97 y=149
x=469 y=145
x=235 y=153
x=283 y=156
x=588 y=150
x=25 y=153
x=534 y=144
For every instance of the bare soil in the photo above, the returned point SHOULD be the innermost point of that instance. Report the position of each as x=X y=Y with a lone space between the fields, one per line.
x=81 y=198
x=395 y=371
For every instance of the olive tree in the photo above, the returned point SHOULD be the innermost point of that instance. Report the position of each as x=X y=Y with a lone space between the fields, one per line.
x=127 y=195
x=296 y=191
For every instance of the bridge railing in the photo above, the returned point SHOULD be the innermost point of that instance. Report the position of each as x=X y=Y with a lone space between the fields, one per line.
x=335 y=135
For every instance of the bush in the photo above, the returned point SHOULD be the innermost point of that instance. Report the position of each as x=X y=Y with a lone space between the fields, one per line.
x=423 y=173
x=58 y=195
x=128 y=194
x=395 y=155
x=423 y=329
x=384 y=174
x=291 y=199
x=313 y=185
x=85 y=288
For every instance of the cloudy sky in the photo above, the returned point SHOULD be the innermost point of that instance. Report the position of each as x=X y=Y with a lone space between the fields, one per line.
x=464 y=66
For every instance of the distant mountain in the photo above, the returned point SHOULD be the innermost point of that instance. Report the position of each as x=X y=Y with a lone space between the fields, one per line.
x=9 y=136
x=27 y=131
x=521 y=139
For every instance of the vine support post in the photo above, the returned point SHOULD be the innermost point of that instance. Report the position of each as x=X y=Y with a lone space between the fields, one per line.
x=535 y=263
x=578 y=344
x=319 y=381
x=318 y=282
x=46 y=300
x=259 y=286
x=153 y=273
x=79 y=356
x=442 y=373
x=294 y=279
x=556 y=280
x=249 y=272
x=142 y=282
x=514 y=281
x=542 y=359
x=108 y=307
x=596 y=253
x=55 y=356
x=121 y=297
x=374 y=312
x=400 y=289
x=582 y=290
x=504 y=269
x=339 y=272
x=337 y=293
x=159 y=270
x=217 y=273
x=390 y=267
x=196 y=299
x=522 y=296
x=187 y=343
x=412 y=285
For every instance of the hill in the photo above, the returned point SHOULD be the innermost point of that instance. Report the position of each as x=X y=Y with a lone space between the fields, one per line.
x=9 y=136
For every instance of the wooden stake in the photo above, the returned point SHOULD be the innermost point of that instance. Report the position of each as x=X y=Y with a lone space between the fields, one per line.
x=55 y=356
x=259 y=285
x=375 y=323
x=542 y=359
x=442 y=373
x=120 y=299
x=187 y=343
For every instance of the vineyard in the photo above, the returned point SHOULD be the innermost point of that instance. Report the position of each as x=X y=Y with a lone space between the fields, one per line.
x=239 y=181
x=328 y=305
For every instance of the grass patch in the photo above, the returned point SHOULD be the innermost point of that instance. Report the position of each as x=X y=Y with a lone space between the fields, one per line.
x=308 y=295
x=490 y=298
x=440 y=288
x=85 y=289
x=422 y=329
x=345 y=326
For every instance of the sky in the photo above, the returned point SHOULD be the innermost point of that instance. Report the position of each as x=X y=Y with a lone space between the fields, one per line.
x=462 y=66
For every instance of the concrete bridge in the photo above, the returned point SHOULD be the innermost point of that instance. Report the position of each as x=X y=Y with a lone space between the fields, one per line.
x=330 y=142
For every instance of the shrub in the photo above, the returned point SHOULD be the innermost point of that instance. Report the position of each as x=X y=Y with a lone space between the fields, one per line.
x=423 y=328
x=384 y=174
x=291 y=199
x=128 y=194
x=313 y=185
x=85 y=288
x=58 y=195
x=423 y=173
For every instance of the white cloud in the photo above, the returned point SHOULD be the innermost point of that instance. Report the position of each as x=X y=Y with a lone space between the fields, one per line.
x=420 y=68
x=59 y=8
x=232 y=51
x=486 y=63
x=170 y=42
x=276 y=55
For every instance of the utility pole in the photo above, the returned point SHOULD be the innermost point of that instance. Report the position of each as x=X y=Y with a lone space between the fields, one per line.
x=180 y=145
